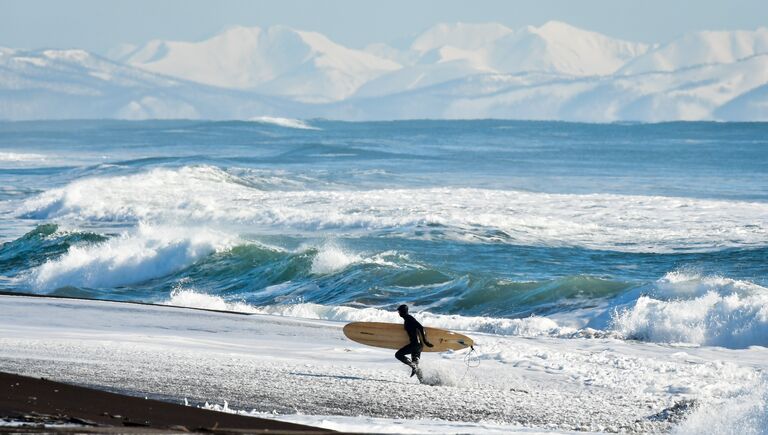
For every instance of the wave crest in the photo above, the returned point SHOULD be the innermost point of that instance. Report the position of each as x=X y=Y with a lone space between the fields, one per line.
x=198 y=195
x=181 y=297
x=130 y=258
x=686 y=308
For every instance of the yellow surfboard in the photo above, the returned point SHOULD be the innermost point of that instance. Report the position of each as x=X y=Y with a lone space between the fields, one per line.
x=393 y=336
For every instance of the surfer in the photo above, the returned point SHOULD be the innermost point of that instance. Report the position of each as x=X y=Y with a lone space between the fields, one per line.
x=417 y=337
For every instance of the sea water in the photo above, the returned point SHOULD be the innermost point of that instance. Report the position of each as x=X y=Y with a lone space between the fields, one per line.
x=652 y=232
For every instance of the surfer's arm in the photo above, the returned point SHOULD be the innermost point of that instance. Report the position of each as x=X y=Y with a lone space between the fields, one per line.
x=424 y=336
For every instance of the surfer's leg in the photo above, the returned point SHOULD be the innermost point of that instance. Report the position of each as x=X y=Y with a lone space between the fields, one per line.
x=400 y=355
x=416 y=353
x=415 y=356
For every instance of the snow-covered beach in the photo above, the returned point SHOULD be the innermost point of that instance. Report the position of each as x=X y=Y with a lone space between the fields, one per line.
x=305 y=371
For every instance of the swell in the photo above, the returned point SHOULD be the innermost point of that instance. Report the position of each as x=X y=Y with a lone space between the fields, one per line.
x=149 y=263
x=326 y=279
x=39 y=245
x=279 y=204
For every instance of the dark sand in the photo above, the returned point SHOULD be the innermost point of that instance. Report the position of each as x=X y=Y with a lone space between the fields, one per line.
x=45 y=404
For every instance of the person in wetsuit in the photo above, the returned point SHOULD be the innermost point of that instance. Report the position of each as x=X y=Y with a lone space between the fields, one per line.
x=417 y=337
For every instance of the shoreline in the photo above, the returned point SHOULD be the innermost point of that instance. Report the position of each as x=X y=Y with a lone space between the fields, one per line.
x=148 y=304
x=41 y=405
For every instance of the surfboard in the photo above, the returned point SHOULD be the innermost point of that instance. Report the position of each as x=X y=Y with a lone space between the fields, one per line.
x=393 y=336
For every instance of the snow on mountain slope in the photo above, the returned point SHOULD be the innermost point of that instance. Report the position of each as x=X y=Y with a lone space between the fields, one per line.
x=420 y=76
x=66 y=84
x=561 y=48
x=465 y=36
x=304 y=65
x=451 y=51
x=752 y=105
x=555 y=71
x=701 y=48
x=691 y=94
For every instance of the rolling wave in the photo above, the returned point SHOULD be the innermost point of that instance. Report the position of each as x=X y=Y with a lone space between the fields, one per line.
x=160 y=259
x=197 y=195
x=127 y=259
x=690 y=308
x=205 y=268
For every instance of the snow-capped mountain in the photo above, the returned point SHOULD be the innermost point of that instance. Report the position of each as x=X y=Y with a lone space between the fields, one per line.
x=463 y=36
x=560 y=48
x=700 y=48
x=460 y=70
x=554 y=47
x=306 y=66
x=708 y=92
x=61 y=84
x=451 y=51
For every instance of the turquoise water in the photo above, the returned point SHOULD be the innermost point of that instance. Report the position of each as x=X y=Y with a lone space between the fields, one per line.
x=501 y=219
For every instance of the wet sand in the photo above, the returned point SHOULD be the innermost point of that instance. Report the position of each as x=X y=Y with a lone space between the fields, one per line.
x=35 y=405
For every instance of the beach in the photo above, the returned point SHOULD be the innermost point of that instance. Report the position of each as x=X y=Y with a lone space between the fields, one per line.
x=33 y=405
x=304 y=371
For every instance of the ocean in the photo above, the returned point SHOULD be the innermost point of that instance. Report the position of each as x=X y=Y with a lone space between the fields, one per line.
x=653 y=232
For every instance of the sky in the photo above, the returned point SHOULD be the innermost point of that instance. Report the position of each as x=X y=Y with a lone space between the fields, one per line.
x=98 y=25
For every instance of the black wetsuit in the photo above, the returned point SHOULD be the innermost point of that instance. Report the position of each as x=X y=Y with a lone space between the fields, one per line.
x=415 y=333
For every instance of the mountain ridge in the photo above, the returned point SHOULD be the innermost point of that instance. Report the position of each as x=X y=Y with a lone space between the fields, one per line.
x=451 y=70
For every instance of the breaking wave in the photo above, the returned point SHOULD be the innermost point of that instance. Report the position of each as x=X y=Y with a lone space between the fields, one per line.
x=199 y=195
x=690 y=308
x=526 y=327
x=207 y=268
x=130 y=258
x=192 y=299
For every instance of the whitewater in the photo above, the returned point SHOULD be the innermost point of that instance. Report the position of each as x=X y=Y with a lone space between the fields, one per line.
x=617 y=269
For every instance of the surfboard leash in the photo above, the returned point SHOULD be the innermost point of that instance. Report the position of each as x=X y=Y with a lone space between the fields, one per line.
x=472 y=358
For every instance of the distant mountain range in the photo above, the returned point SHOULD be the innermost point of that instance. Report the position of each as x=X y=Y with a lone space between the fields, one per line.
x=553 y=72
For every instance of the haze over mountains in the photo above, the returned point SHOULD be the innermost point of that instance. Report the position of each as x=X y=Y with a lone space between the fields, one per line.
x=555 y=71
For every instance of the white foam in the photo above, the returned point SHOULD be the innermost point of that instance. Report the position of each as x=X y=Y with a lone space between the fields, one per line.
x=364 y=424
x=21 y=157
x=284 y=122
x=202 y=194
x=527 y=327
x=16 y=159
x=687 y=308
x=132 y=257
x=332 y=258
x=181 y=297
x=731 y=319
x=438 y=375
x=741 y=414
x=534 y=381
